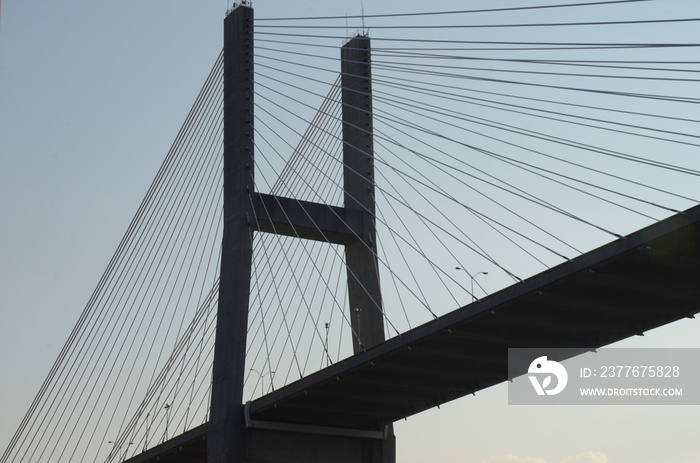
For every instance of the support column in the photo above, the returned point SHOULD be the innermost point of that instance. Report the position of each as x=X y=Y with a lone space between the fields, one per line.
x=358 y=176
x=225 y=435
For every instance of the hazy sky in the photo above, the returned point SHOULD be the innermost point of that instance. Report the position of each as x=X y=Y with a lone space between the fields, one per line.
x=91 y=96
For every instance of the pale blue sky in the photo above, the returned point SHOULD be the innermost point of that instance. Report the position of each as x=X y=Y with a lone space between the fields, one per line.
x=92 y=95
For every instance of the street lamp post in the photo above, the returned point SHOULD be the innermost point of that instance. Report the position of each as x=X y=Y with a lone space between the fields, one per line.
x=472 y=279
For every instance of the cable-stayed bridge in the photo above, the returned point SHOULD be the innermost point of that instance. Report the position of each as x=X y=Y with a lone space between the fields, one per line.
x=400 y=173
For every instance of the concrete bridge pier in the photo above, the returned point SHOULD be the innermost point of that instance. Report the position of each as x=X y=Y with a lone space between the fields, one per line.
x=309 y=446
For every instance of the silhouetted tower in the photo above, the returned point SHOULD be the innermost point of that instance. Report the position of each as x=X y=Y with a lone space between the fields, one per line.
x=358 y=176
x=225 y=437
x=228 y=439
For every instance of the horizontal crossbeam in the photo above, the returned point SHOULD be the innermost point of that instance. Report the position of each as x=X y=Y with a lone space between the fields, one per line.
x=303 y=219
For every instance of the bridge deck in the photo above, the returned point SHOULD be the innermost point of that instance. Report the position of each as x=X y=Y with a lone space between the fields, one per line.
x=616 y=291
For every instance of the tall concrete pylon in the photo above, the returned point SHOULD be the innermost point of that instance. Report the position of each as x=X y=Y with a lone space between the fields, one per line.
x=232 y=437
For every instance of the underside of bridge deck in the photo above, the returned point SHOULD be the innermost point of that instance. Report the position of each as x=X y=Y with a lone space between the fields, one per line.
x=648 y=279
x=622 y=289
